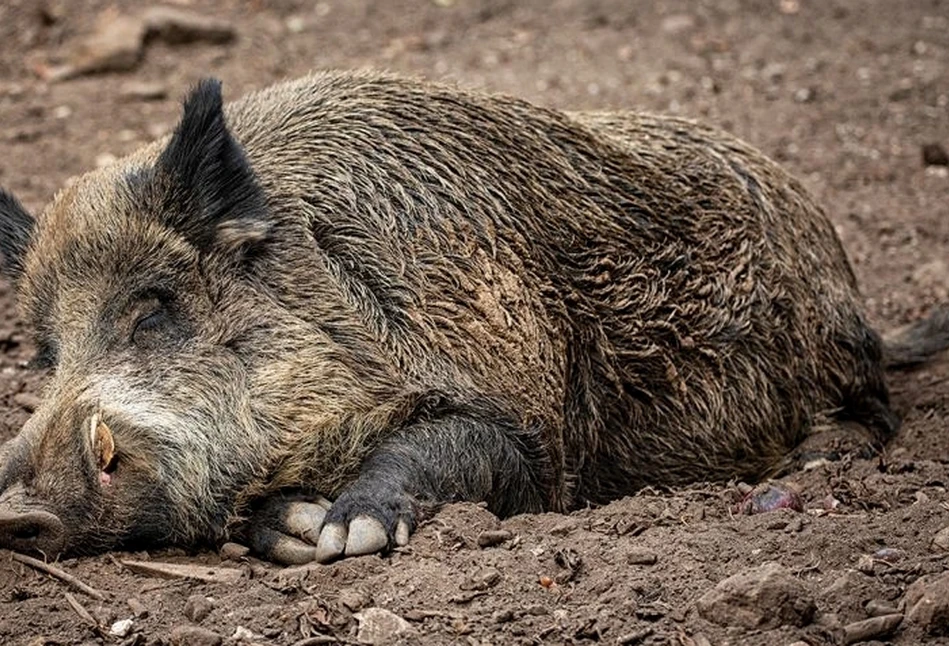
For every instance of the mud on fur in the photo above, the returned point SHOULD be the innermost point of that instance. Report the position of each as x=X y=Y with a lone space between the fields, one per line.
x=397 y=294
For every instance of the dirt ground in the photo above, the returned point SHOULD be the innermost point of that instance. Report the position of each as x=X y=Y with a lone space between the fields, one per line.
x=845 y=94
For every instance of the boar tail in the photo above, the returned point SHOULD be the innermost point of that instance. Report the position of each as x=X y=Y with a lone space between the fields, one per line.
x=917 y=342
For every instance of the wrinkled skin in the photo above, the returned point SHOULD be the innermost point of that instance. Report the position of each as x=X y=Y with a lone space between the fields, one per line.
x=396 y=295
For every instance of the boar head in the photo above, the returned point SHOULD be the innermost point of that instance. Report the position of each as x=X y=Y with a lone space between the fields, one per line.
x=136 y=282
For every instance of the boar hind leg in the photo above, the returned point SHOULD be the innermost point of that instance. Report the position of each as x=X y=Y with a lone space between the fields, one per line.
x=428 y=462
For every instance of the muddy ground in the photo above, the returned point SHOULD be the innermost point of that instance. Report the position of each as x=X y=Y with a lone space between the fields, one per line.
x=846 y=94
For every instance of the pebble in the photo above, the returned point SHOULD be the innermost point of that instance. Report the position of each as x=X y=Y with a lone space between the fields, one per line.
x=233 y=551
x=121 y=628
x=927 y=603
x=641 y=556
x=770 y=496
x=934 y=154
x=143 y=91
x=380 y=626
x=27 y=401
x=940 y=540
x=861 y=631
x=355 y=600
x=114 y=46
x=194 y=636
x=174 y=25
x=493 y=537
x=197 y=608
x=138 y=608
x=765 y=597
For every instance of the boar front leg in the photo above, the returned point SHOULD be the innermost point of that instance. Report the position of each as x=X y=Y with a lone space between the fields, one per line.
x=455 y=457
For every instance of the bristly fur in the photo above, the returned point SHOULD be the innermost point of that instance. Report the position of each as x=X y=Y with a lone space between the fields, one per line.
x=459 y=296
x=16 y=227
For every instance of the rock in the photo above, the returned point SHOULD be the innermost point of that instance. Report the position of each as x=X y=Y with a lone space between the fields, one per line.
x=493 y=537
x=641 y=556
x=242 y=634
x=114 y=46
x=927 y=603
x=940 y=540
x=194 y=636
x=174 y=26
x=764 y=598
x=770 y=496
x=935 y=155
x=482 y=579
x=862 y=631
x=197 y=607
x=677 y=23
x=121 y=628
x=143 y=91
x=27 y=401
x=379 y=626
x=355 y=600
x=233 y=551
x=138 y=608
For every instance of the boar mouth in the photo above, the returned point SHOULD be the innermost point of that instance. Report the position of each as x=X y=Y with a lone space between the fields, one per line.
x=34 y=531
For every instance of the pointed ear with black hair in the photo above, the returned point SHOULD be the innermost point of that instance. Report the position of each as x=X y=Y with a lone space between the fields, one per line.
x=212 y=196
x=16 y=229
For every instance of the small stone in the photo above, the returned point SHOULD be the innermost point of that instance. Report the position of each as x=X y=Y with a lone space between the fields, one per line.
x=295 y=24
x=493 y=537
x=121 y=628
x=482 y=580
x=935 y=155
x=865 y=564
x=763 y=598
x=194 y=636
x=805 y=95
x=641 y=556
x=138 y=608
x=927 y=603
x=242 y=634
x=770 y=496
x=175 y=26
x=233 y=551
x=62 y=112
x=355 y=600
x=27 y=401
x=114 y=46
x=197 y=607
x=143 y=91
x=677 y=23
x=861 y=631
x=380 y=626
x=940 y=540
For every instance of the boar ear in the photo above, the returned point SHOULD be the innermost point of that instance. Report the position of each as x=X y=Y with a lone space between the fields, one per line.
x=16 y=228
x=216 y=200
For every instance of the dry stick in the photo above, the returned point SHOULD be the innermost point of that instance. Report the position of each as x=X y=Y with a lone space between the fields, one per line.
x=82 y=612
x=59 y=574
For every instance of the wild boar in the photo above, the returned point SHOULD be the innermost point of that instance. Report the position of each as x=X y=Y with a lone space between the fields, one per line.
x=397 y=294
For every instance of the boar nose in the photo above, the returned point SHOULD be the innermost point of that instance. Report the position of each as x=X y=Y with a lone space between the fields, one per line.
x=35 y=531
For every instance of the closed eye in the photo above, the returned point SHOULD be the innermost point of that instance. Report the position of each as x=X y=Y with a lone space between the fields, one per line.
x=149 y=323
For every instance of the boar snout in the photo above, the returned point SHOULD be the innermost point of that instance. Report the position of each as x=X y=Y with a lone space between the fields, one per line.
x=34 y=531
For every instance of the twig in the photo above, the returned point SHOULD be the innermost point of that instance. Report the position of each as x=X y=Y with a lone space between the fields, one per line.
x=82 y=612
x=54 y=571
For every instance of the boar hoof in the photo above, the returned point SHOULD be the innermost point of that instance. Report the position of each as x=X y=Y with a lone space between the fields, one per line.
x=286 y=531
